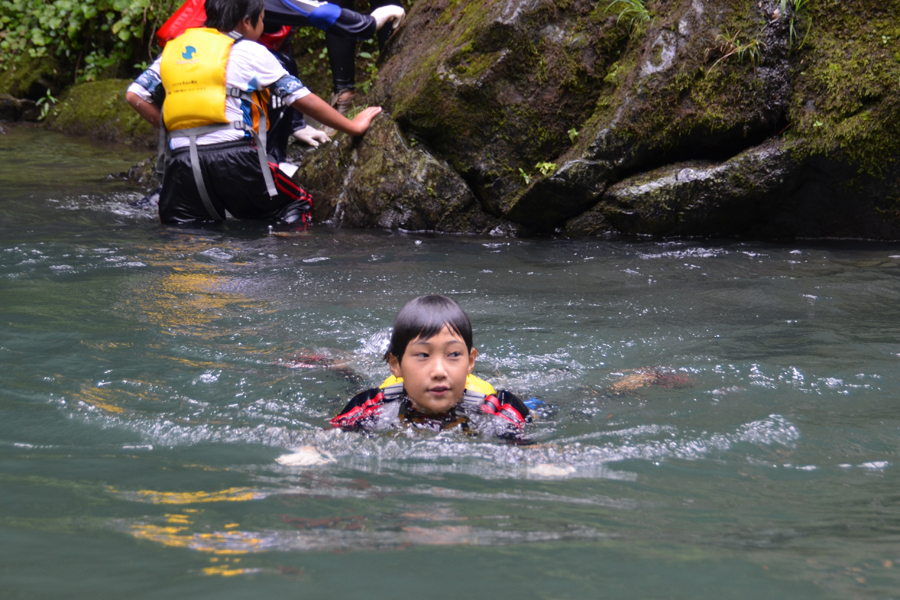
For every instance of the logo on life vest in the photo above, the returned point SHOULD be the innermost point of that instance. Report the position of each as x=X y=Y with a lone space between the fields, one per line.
x=188 y=53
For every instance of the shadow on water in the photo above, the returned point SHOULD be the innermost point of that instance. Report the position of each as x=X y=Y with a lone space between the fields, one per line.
x=720 y=417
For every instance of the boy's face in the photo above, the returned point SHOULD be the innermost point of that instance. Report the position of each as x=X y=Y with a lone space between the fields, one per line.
x=434 y=371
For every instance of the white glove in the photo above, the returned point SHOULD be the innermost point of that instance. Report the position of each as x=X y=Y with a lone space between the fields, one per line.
x=383 y=14
x=311 y=136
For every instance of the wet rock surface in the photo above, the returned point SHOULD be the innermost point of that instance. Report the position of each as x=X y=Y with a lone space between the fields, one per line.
x=705 y=121
x=381 y=180
x=697 y=198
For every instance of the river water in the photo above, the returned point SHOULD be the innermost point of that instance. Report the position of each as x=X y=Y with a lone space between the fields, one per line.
x=146 y=393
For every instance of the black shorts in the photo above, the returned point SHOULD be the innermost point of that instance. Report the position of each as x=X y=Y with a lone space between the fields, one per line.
x=234 y=181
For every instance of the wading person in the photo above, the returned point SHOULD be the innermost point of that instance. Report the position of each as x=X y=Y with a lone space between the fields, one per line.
x=216 y=82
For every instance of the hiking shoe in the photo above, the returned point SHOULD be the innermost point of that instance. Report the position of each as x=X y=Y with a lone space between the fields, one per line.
x=343 y=101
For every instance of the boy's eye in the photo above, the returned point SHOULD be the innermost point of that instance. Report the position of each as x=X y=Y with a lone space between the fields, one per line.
x=455 y=354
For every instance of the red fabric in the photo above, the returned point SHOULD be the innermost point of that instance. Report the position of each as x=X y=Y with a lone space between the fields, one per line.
x=492 y=406
x=191 y=14
x=287 y=188
x=274 y=41
x=358 y=413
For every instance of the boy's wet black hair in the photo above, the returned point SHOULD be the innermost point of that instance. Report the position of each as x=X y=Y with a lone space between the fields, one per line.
x=225 y=15
x=424 y=317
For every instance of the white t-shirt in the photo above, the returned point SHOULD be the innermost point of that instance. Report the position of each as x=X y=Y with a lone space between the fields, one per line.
x=250 y=67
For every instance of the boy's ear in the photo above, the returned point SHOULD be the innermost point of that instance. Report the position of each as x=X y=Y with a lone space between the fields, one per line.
x=472 y=354
x=395 y=366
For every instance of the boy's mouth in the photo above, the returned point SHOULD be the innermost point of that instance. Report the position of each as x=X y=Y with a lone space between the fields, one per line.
x=439 y=390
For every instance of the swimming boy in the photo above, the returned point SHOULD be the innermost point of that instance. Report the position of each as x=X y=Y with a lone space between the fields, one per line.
x=431 y=385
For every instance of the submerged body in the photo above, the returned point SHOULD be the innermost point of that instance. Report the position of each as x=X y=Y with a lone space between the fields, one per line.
x=481 y=411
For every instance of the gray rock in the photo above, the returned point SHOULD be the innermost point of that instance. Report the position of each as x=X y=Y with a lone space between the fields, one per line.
x=382 y=180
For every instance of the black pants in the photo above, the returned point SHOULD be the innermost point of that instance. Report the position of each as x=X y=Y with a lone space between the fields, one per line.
x=342 y=50
x=234 y=181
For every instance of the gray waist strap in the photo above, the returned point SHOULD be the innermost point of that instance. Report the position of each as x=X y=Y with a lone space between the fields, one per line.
x=194 y=132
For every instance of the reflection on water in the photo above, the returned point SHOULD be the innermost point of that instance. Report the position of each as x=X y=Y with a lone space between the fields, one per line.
x=719 y=418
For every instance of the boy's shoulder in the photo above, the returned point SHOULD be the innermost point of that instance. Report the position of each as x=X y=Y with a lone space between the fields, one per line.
x=253 y=52
x=362 y=406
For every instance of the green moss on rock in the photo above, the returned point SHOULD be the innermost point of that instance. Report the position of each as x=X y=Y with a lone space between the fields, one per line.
x=847 y=84
x=31 y=78
x=99 y=109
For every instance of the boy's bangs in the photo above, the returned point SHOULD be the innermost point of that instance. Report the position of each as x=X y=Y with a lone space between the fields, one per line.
x=425 y=317
x=432 y=329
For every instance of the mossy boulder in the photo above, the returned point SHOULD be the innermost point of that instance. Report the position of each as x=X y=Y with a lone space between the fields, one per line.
x=494 y=86
x=727 y=117
x=699 y=197
x=18 y=109
x=381 y=180
x=99 y=109
x=32 y=78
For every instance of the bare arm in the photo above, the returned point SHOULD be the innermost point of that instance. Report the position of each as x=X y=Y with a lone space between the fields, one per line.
x=148 y=111
x=322 y=112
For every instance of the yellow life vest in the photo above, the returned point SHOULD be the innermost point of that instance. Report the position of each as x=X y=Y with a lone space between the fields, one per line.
x=472 y=383
x=193 y=74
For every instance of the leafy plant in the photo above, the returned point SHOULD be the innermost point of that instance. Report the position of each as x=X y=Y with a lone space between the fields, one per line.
x=730 y=45
x=89 y=36
x=612 y=74
x=46 y=103
x=573 y=135
x=545 y=168
x=369 y=70
x=797 y=7
x=525 y=176
x=632 y=10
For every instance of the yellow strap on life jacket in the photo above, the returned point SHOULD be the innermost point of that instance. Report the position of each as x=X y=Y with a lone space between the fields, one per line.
x=193 y=75
x=472 y=383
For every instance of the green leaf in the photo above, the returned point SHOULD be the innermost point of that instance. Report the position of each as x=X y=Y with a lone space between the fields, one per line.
x=37 y=37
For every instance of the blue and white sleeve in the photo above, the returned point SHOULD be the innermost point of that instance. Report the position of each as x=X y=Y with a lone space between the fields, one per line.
x=148 y=85
x=289 y=89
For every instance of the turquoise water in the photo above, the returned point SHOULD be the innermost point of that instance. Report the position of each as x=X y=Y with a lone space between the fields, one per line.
x=146 y=394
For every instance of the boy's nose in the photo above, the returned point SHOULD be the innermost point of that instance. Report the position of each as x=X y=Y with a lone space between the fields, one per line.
x=439 y=369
